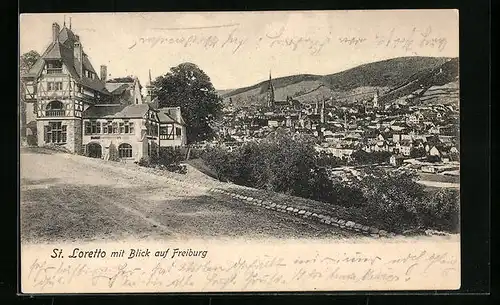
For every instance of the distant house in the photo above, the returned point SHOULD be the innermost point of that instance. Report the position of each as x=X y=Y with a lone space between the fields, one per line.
x=404 y=147
x=276 y=121
x=172 y=127
x=396 y=160
x=125 y=90
x=434 y=151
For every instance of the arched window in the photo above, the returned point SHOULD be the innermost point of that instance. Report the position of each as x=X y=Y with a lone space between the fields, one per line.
x=55 y=105
x=125 y=150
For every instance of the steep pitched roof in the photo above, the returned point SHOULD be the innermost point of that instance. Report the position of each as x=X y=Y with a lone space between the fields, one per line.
x=63 y=49
x=174 y=113
x=116 y=88
x=116 y=111
x=86 y=63
x=53 y=52
x=67 y=37
x=165 y=118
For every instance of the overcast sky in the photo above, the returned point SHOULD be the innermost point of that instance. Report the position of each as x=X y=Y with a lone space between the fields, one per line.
x=239 y=49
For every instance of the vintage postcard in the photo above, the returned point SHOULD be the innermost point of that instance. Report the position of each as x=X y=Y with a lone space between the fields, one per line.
x=239 y=151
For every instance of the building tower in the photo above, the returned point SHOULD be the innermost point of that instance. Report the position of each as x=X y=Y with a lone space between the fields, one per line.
x=149 y=89
x=375 y=99
x=270 y=92
x=322 y=113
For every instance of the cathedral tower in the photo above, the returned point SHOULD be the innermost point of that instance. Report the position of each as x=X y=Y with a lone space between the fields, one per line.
x=270 y=93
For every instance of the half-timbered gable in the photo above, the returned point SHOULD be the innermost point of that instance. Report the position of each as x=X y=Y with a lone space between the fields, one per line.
x=172 y=127
x=85 y=113
x=61 y=85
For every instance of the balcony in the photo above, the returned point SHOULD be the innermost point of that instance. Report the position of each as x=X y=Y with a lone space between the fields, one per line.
x=55 y=113
x=166 y=137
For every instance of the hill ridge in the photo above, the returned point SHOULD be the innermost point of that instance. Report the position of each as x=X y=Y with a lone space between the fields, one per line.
x=385 y=75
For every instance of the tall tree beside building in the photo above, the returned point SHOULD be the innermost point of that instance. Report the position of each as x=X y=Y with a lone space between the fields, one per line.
x=26 y=61
x=189 y=87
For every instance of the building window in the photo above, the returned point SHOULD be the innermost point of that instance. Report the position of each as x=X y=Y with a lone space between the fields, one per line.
x=110 y=128
x=98 y=127
x=55 y=108
x=122 y=127
x=131 y=127
x=54 y=86
x=126 y=127
x=125 y=150
x=115 y=127
x=54 y=66
x=94 y=127
x=178 y=131
x=55 y=132
x=88 y=128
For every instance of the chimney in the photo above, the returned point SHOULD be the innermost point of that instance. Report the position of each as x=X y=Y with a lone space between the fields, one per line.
x=104 y=72
x=78 y=54
x=178 y=118
x=55 y=31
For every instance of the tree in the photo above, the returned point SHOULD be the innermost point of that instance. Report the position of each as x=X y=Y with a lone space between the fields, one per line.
x=26 y=61
x=188 y=87
x=392 y=196
x=417 y=152
x=441 y=210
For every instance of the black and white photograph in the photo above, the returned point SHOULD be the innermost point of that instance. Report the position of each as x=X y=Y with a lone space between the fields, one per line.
x=239 y=151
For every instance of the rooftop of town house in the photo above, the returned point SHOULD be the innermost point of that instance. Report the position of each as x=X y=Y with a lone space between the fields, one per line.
x=173 y=113
x=119 y=84
x=110 y=111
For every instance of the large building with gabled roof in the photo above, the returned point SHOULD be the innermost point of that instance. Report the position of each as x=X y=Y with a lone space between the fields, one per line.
x=87 y=114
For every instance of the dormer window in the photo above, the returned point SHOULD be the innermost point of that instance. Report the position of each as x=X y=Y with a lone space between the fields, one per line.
x=89 y=74
x=54 y=66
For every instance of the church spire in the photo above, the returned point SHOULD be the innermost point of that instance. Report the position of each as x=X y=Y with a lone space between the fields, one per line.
x=149 y=88
x=270 y=92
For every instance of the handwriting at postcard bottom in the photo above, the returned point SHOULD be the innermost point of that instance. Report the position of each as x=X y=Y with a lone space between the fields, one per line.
x=231 y=267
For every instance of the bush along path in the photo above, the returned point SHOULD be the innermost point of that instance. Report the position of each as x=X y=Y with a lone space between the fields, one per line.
x=304 y=213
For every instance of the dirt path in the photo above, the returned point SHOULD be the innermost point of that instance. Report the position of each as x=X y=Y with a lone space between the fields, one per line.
x=67 y=197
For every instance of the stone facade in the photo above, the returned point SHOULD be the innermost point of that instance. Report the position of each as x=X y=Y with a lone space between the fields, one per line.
x=73 y=141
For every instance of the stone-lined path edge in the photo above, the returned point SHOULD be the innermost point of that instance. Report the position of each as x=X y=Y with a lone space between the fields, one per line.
x=329 y=220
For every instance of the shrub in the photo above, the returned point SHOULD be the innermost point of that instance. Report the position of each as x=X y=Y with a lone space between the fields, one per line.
x=56 y=147
x=363 y=157
x=167 y=156
x=177 y=168
x=441 y=210
x=113 y=153
x=391 y=199
x=217 y=159
x=145 y=162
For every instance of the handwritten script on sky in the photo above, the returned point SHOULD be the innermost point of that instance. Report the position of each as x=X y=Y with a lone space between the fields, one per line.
x=413 y=41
